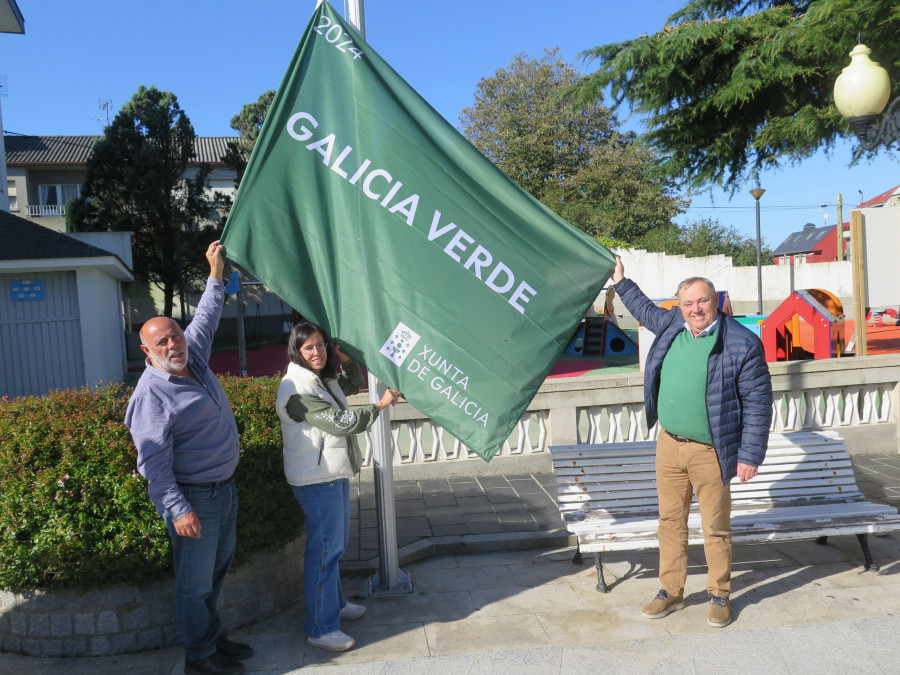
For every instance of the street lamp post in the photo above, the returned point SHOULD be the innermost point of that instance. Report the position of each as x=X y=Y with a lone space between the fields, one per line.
x=861 y=92
x=758 y=192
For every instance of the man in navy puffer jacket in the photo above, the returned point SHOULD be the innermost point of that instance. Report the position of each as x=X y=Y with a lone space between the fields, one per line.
x=707 y=383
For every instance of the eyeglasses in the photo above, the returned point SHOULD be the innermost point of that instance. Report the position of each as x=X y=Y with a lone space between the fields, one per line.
x=312 y=349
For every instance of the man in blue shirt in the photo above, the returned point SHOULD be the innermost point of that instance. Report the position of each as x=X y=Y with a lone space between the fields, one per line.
x=188 y=448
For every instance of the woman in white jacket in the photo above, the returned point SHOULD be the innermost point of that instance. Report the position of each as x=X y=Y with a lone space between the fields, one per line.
x=321 y=454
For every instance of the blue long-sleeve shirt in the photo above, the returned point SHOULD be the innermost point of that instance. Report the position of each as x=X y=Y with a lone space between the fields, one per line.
x=184 y=429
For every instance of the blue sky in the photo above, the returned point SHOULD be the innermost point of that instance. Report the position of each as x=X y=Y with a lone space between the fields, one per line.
x=218 y=55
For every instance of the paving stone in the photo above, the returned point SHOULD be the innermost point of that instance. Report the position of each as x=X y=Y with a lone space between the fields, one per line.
x=527 y=485
x=476 y=504
x=499 y=495
x=445 y=498
x=408 y=508
x=450 y=529
x=406 y=490
x=467 y=489
x=444 y=515
x=493 y=481
x=434 y=485
x=520 y=526
x=483 y=523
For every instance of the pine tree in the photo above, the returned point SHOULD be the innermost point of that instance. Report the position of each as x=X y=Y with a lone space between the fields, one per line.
x=137 y=181
x=730 y=87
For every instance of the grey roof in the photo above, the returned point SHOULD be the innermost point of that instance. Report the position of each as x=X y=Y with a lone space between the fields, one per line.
x=48 y=149
x=804 y=241
x=76 y=150
x=25 y=240
x=211 y=149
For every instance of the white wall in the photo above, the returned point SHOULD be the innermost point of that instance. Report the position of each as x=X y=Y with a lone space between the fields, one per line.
x=102 y=335
x=117 y=243
x=659 y=274
x=881 y=236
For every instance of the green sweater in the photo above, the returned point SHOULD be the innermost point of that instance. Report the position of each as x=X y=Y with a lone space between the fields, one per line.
x=682 y=387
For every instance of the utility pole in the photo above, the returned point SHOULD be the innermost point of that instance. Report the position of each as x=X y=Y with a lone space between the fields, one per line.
x=758 y=192
x=840 y=227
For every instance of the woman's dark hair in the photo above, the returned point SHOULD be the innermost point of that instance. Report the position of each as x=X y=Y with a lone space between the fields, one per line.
x=300 y=333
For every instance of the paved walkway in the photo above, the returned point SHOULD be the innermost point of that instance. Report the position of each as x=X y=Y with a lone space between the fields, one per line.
x=495 y=591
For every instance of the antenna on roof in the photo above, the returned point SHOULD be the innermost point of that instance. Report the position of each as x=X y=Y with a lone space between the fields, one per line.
x=104 y=104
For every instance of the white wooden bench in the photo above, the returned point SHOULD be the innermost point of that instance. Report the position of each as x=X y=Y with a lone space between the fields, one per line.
x=805 y=489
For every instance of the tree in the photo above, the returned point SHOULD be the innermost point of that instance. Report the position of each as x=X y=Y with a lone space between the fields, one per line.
x=731 y=87
x=572 y=158
x=137 y=181
x=706 y=237
x=248 y=123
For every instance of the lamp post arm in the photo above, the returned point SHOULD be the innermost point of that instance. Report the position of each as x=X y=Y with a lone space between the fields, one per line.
x=871 y=135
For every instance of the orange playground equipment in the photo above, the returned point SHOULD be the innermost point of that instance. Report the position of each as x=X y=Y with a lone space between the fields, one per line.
x=808 y=325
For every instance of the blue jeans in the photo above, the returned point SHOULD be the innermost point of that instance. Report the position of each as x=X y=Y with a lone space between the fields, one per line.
x=326 y=507
x=201 y=565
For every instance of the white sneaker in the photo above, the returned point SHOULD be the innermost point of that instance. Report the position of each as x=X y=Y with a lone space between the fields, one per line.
x=351 y=612
x=336 y=641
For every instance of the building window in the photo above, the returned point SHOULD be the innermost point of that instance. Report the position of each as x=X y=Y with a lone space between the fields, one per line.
x=11 y=192
x=53 y=199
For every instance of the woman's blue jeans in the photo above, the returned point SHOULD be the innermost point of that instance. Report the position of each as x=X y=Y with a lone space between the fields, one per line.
x=201 y=565
x=326 y=507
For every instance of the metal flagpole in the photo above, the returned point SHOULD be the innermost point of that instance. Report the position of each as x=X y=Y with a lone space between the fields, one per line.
x=390 y=579
x=242 y=341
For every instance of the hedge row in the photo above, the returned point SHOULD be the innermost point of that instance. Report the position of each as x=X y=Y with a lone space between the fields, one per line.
x=74 y=512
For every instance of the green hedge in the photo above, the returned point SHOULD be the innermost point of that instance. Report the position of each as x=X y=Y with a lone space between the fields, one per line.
x=74 y=512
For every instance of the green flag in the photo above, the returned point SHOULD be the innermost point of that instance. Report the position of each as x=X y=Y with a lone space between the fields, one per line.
x=371 y=215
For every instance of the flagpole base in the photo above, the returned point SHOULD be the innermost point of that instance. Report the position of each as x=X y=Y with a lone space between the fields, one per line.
x=402 y=585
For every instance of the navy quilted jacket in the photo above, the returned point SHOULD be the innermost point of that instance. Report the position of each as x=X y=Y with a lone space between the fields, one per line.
x=738 y=385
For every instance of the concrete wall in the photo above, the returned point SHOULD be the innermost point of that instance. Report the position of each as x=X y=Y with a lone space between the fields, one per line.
x=659 y=274
x=102 y=337
x=117 y=243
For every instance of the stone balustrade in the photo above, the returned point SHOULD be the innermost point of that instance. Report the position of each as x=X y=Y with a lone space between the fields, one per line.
x=857 y=397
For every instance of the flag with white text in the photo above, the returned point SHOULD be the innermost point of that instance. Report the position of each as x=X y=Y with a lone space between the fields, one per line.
x=370 y=214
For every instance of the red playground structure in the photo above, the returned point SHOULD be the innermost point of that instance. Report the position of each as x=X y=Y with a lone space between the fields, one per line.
x=783 y=334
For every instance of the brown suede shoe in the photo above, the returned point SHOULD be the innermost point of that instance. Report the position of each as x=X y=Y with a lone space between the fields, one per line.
x=719 y=611
x=662 y=605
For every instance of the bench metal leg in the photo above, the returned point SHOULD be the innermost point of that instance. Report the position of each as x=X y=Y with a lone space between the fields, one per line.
x=601 y=583
x=863 y=539
x=577 y=559
x=867 y=554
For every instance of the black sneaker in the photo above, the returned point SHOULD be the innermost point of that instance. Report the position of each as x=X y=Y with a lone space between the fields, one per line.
x=215 y=663
x=234 y=650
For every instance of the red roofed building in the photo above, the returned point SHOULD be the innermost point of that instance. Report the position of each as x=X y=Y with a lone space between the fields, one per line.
x=819 y=244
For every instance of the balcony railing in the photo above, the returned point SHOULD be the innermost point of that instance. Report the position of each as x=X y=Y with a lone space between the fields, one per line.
x=58 y=211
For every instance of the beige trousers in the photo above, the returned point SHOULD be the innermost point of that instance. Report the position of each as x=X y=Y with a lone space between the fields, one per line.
x=682 y=470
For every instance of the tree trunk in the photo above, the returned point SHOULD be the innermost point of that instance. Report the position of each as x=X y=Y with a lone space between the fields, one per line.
x=168 y=298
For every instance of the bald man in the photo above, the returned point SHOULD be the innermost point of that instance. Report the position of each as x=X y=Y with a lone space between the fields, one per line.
x=188 y=448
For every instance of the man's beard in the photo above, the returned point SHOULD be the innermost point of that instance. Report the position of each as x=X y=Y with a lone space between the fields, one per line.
x=167 y=365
